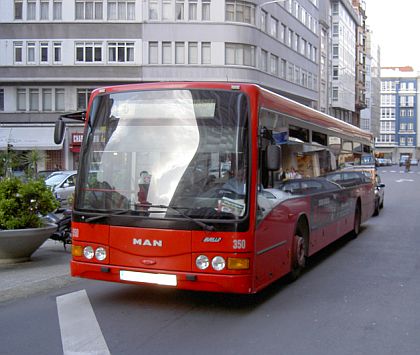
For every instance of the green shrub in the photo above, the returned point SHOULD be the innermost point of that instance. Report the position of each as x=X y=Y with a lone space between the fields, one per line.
x=23 y=203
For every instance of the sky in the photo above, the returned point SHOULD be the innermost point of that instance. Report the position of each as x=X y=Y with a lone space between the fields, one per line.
x=396 y=28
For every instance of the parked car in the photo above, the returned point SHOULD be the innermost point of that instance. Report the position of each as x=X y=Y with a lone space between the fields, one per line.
x=414 y=162
x=379 y=195
x=372 y=174
x=62 y=183
x=45 y=174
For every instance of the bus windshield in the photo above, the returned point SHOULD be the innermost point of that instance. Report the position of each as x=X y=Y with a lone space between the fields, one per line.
x=156 y=152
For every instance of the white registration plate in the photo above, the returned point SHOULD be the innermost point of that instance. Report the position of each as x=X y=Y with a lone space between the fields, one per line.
x=158 y=279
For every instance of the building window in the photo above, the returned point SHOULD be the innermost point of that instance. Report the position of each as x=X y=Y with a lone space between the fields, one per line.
x=264 y=58
x=121 y=52
x=192 y=10
x=179 y=53
x=335 y=72
x=89 y=10
x=402 y=140
x=83 y=96
x=153 y=10
x=153 y=53
x=192 y=53
x=21 y=100
x=44 y=52
x=335 y=93
x=180 y=10
x=240 y=11
x=283 y=68
x=57 y=9
x=263 y=21
x=283 y=31
x=88 y=52
x=205 y=53
x=46 y=99
x=166 y=10
x=290 y=72
x=18 y=52
x=274 y=27
x=126 y=10
x=239 y=54
x=44 y=10
x=274 y=64
x=18 y=9
x=59 y=100
x=1 y=99
x=205 y=10
x=31 y=10
x=410 y=141
x=335 y=51
x=57 y=52
x=166 y=52
x=30 y=52
x=33 y=100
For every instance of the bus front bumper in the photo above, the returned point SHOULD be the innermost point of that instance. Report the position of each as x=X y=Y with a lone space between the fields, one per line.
x=180 y=280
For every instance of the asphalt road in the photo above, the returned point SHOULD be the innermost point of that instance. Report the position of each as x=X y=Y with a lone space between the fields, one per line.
x=356 y=297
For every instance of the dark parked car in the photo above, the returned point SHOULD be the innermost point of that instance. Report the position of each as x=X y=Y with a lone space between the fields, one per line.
x=379 y=195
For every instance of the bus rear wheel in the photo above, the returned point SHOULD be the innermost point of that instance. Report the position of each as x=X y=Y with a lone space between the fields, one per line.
x=357 y=220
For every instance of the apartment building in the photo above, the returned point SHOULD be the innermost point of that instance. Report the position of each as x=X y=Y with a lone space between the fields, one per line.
x=399 y=123
x=345 y=21
x=369 y=116
x=53 y=53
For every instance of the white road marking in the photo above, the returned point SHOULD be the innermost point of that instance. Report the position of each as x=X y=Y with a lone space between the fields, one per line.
x=80 y=331
x=404 y=180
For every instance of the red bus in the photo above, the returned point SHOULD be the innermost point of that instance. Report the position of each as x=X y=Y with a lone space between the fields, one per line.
x=210 y=186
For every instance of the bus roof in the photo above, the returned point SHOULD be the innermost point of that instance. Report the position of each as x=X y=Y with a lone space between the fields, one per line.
x=281 y=103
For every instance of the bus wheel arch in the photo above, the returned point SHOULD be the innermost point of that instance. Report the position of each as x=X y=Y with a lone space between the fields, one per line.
x=300 y=247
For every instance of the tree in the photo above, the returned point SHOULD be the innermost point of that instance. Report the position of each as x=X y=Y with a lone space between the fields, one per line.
x=31 y=160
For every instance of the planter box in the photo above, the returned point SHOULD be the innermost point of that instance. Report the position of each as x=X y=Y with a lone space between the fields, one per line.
x=17 y=245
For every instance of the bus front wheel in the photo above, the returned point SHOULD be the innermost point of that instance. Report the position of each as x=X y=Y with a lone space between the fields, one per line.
x=299 y=251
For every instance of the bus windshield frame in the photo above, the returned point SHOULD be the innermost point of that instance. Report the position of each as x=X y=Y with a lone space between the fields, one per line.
x=165 y=154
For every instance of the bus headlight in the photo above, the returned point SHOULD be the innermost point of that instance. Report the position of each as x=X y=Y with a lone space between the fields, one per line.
x=100 y=253
x=88 y=252
x=218 y=263
x=202 y=262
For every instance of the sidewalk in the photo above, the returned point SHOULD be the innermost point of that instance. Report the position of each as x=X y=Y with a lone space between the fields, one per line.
x=49 y=268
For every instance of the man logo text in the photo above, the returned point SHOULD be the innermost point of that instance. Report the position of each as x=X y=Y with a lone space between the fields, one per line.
x=148 y=243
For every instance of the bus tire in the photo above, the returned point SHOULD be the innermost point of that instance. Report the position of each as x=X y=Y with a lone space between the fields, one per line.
x=357 y=220
x=299 y=250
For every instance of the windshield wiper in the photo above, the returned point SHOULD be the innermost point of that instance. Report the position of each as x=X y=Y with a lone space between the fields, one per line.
x=146 y=207
x=95 y=218
x=178 y=210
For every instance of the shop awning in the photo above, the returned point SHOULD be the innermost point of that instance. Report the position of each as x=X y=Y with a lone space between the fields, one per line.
x=28 y=138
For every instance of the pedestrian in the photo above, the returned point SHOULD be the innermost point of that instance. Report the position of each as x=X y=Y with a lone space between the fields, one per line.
x=407 y=165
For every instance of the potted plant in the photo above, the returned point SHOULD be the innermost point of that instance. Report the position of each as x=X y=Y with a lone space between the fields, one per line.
x=22 y=228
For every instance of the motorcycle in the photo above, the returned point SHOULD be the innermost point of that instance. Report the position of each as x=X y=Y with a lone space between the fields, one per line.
x=62 y=218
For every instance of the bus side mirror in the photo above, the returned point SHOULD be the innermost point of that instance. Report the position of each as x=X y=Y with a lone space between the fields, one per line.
x=273 y=157
x=60 y=127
